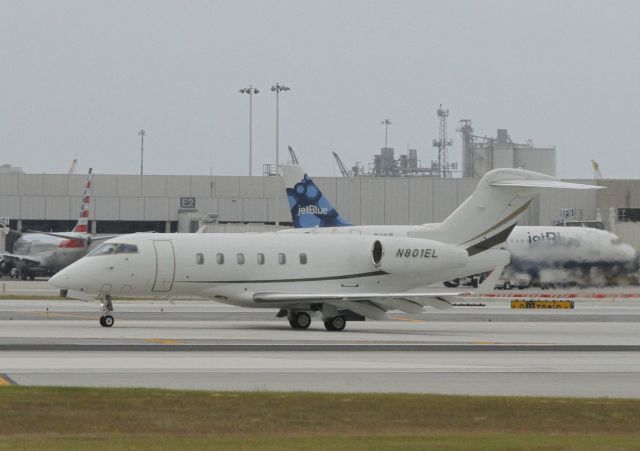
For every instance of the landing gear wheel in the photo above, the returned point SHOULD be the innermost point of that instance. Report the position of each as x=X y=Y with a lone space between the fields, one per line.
x=337 y=323
x=106 y=321
x=300 y=320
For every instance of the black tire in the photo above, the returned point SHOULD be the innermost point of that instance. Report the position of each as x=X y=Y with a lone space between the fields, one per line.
x=507 y=285
x=23 y=277
x=300 y=320
x=107 y=321
x=32 y=277
x=303 y=320
x=337 y=323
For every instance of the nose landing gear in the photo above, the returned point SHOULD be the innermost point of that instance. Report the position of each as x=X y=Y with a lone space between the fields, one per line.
x=106 y=320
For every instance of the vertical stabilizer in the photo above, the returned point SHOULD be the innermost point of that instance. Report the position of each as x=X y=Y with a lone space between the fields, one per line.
x=487 y=217
x=83 y=221
x=309 y=207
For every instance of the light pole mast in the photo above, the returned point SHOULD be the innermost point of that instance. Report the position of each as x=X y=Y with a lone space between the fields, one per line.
x=277 y=88
x=250 y=91
x=142 y=133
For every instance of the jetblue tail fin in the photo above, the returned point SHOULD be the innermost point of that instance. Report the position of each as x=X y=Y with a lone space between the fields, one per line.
x=83 y=221
x=309 y=207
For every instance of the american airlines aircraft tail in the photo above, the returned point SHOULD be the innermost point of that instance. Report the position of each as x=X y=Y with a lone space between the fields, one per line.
x=85 y=204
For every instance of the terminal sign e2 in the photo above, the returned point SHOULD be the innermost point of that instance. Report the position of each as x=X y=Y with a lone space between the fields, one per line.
x=188 y=202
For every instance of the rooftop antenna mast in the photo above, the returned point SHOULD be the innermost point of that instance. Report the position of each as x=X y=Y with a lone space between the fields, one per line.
x=386 y=123
x=442 y=143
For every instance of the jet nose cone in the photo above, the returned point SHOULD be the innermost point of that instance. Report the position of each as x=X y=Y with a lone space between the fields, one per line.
x=60 y=280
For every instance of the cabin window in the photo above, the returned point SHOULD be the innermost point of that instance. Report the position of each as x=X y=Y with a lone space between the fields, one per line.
x=303 y=259
x=126 y=249
x=261 y=259
x=240 y=259
x=282 y=259
x=200 y=259
x=220 y=259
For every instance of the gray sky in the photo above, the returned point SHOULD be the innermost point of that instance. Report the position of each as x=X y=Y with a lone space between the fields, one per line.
x=82 y=77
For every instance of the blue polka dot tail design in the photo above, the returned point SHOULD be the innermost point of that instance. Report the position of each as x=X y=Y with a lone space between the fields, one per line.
x=309 y=207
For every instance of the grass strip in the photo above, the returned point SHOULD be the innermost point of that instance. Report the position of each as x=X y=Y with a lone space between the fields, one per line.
x=100 y=412
x=465 y=441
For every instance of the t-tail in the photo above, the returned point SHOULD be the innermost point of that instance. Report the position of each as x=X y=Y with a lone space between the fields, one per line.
x=83 y=221
x=487 y=217
x=309 y=207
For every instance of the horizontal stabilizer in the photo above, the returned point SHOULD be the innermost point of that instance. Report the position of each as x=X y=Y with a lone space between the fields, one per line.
x=555 y=184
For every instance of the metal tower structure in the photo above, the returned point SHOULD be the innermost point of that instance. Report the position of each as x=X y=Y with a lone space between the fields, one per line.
x=442 y=143
x=294 y=157
x=341 y=166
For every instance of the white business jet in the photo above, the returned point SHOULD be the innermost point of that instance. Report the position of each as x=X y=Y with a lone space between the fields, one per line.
x=342 y=276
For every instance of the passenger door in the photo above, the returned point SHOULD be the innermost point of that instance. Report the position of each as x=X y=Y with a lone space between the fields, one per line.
x=165 y=266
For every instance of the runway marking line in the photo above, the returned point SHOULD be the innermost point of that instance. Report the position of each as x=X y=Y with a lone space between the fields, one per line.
x=163 y=341
x=6 y=380
x=409 y=320
x=63 y=315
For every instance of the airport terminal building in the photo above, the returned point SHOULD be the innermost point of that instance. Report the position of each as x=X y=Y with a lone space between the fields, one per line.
x=130 y=203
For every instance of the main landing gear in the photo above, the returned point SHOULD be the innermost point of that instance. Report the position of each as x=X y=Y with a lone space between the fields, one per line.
x=106 y=320
x=337 y=323
x=299 y=320
x=302 y=320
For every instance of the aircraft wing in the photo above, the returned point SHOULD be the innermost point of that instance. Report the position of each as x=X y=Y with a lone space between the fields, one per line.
x=313 y=297
x=371 y=305
x=88 y=238
x=23 y=258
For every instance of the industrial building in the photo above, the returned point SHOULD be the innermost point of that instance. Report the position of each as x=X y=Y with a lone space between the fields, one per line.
x=480 y=154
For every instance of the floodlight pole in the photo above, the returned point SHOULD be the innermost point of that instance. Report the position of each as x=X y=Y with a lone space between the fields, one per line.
x=142 y=133
x=277 y=88
x=250 y=91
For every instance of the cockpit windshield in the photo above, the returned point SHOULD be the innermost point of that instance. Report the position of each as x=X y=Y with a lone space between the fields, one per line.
x=113 y=248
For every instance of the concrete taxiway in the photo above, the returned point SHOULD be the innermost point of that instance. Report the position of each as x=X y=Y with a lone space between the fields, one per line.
x=593 y=350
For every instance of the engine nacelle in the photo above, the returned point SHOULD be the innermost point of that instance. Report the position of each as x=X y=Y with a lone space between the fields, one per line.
x=397 y=255
x=5 y=267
